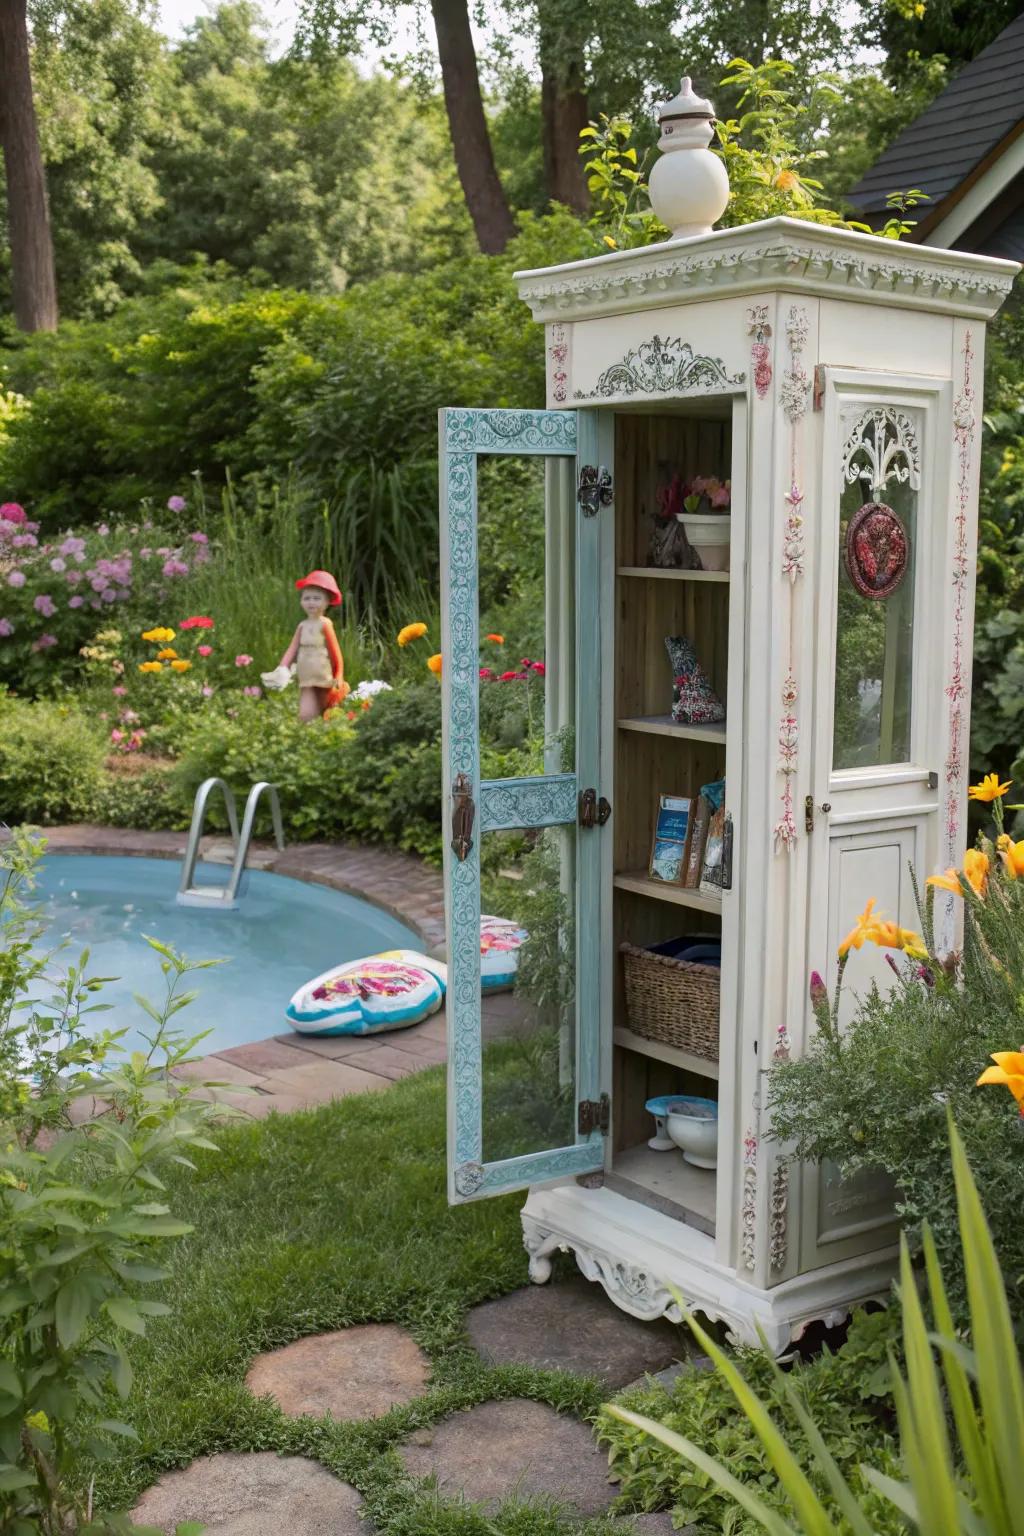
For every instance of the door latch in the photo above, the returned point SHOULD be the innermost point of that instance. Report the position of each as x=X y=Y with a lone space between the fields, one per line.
x=825 y=807
x=463 y=816
x=593 y=811
x=595 y=1115
x=727 y=853
x=594 y=489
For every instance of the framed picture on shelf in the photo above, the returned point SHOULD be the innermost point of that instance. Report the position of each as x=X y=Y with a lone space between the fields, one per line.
x=671 y=845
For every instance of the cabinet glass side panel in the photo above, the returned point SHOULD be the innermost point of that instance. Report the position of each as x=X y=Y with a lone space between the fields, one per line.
x=528 y=990
x=875 y=626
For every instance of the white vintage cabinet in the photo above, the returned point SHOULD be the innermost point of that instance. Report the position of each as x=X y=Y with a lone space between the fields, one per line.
x=820 y=371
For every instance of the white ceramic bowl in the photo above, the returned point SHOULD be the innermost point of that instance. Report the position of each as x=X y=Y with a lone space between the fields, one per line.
x=693 y=1126
x=709 y=535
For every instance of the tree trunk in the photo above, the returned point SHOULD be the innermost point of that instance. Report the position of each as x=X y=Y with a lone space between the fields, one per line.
x=564 y=112
x=474 y=158
x=33 y=280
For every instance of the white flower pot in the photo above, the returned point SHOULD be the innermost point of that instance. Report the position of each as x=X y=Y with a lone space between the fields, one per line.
x=693 y=1126
x=709 y=534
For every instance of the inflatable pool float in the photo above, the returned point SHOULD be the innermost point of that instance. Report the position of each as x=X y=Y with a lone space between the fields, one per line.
x=364 y=997
x=500 y=943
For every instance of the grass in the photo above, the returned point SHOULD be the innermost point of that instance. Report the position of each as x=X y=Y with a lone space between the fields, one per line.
x=319 y=1221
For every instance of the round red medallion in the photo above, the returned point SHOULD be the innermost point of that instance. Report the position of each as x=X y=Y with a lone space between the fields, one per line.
x=877 y=549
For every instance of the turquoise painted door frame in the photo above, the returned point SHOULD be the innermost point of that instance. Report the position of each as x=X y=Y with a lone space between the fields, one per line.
x=547 y=800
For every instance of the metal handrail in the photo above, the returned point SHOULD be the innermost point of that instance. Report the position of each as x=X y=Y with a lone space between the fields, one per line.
x=192 y=895
x=248 y=818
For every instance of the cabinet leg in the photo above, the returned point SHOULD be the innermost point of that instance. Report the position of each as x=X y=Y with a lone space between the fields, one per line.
x=540 y=1244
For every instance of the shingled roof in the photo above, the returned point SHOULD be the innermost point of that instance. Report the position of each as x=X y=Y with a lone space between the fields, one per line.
x=980 y=108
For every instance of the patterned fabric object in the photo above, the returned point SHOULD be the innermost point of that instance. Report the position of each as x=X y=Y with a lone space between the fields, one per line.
x=387 y=991
x=500 y=943
x=695 y=702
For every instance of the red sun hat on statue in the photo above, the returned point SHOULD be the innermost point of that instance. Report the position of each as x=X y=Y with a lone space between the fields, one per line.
x=326 y=581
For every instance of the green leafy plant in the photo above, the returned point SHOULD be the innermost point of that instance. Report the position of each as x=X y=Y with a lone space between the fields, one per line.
x=969 y=1484
x=86 y=1132
x=51 y=757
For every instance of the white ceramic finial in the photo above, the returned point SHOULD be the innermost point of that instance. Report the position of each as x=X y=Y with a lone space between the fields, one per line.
x=689 y=186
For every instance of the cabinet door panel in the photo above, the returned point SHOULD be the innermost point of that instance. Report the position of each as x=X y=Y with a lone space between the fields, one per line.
x=516 y=542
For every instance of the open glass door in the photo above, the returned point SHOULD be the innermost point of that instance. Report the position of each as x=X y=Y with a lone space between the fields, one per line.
x=521 y=847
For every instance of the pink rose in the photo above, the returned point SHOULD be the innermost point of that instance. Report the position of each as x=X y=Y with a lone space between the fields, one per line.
x=242 y=660
x=204 y=650
x=10 y=512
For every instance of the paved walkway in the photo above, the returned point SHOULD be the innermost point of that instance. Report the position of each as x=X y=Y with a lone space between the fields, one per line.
x=291 y=1071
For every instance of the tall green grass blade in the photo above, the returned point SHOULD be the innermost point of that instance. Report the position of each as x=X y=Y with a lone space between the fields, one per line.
x=772 y=1522
x=921 y=1414
x=1000 y=1381
x=806 y=1503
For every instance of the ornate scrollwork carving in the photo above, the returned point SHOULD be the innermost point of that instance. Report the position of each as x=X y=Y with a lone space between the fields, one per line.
x=882 y=446
x=778 y=1209
x=659 y=367
x=468 y=1178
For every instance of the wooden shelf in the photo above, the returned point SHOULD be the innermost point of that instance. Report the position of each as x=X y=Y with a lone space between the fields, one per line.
x=672 y=1054
x=668 y=1183
x=664 y=725
x=661 y=573
x=640 y=883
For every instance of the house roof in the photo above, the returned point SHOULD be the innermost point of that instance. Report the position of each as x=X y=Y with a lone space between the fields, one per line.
x=981 y=107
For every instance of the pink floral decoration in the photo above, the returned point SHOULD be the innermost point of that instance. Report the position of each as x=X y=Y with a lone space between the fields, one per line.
x=242 y=660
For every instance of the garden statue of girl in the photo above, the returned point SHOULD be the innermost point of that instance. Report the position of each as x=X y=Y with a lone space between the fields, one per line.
x=314 y=650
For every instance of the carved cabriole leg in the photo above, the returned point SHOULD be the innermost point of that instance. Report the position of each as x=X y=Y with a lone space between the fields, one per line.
x=539 y=1244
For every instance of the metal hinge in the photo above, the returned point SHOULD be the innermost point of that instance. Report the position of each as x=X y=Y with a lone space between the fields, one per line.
x=463 y=816
x=595 y=1115
x=593 y=812
x=594 y=489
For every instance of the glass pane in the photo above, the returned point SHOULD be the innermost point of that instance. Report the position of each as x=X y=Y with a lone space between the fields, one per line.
x=875 y=626
x=526 y=511
x=528 y=981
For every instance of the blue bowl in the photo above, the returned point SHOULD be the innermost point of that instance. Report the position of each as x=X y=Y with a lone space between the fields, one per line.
x=680 y=1104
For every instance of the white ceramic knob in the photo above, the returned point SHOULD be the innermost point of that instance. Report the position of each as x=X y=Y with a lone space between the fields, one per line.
x=689 y=186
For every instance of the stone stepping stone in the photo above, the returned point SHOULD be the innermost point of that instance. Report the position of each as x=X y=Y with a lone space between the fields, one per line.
x=259 y=1494
x=571 y=1325
x=515 y=1448
x=357 y=1373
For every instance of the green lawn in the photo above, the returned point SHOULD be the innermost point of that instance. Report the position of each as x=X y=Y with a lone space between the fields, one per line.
x=318 y=1221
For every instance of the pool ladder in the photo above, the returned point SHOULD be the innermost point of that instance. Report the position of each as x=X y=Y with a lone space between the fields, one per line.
x=224 y=896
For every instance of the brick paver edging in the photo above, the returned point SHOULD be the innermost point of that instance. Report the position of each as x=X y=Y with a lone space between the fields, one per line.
x=291 y=1071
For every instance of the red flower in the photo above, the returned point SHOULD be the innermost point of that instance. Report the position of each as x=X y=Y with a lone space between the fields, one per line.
x=197 y=621
x=486 y=675
x=508 y=677
x=538 y=667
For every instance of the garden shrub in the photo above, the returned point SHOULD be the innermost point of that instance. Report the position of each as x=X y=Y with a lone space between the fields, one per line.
x=146 y=800
x=846 y=1393
x=83 y=1218
x=874 y=1094
x=51 y=758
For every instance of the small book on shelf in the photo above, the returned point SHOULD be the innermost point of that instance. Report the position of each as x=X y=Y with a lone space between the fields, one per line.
x=712 y=878
x=671 y=846
x=698 y=838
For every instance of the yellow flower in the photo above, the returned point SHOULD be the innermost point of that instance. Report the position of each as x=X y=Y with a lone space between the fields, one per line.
x=179 y=666
x=785 y=180
x=38 y=1420
x=888 y=935
x=862 y=929
x=989 y=789
x=1012 y=855
x=976 y=872
x=167 y=654
x=1008 y=1070
x=950 y=881
x=159 y=636
x=411 y=632
x=434 y=663
x=151 y=666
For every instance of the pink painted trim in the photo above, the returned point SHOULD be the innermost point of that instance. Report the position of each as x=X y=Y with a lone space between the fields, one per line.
x=964 y=427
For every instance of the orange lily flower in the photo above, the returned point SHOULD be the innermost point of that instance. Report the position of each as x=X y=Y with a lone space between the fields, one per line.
x=862 y=929
x=950 y=881
x=1008 y=1070
x=888 y=935
x=989 y=789
x=411 y=632
x=434 y=663
x=1012 y=855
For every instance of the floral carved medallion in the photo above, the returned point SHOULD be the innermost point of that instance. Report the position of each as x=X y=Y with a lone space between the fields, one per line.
x=876 y=551
x=661 y=366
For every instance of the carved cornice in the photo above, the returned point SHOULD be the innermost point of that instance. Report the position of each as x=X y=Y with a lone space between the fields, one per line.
x=775 y=253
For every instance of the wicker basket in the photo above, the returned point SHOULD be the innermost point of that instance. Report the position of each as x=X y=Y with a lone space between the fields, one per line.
x=673 y=1001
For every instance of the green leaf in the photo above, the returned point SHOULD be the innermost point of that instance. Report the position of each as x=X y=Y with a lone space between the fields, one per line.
x=13 y=1478
x=125 y=1314
x=115 y=1427
x=121 y=1371
x=74 y=1301
x=10 y=1381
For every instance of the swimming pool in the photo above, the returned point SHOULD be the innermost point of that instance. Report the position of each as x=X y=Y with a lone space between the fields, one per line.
x=282 y=933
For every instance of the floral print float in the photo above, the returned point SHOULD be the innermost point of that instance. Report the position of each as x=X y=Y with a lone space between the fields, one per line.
x=398 y=987
x=500 y=943
x=387 y=991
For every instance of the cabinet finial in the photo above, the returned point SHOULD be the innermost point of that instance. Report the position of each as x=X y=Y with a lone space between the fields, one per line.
x=689 y=185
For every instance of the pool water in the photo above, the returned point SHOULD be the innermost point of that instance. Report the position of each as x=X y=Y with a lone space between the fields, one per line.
x=282 y=933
